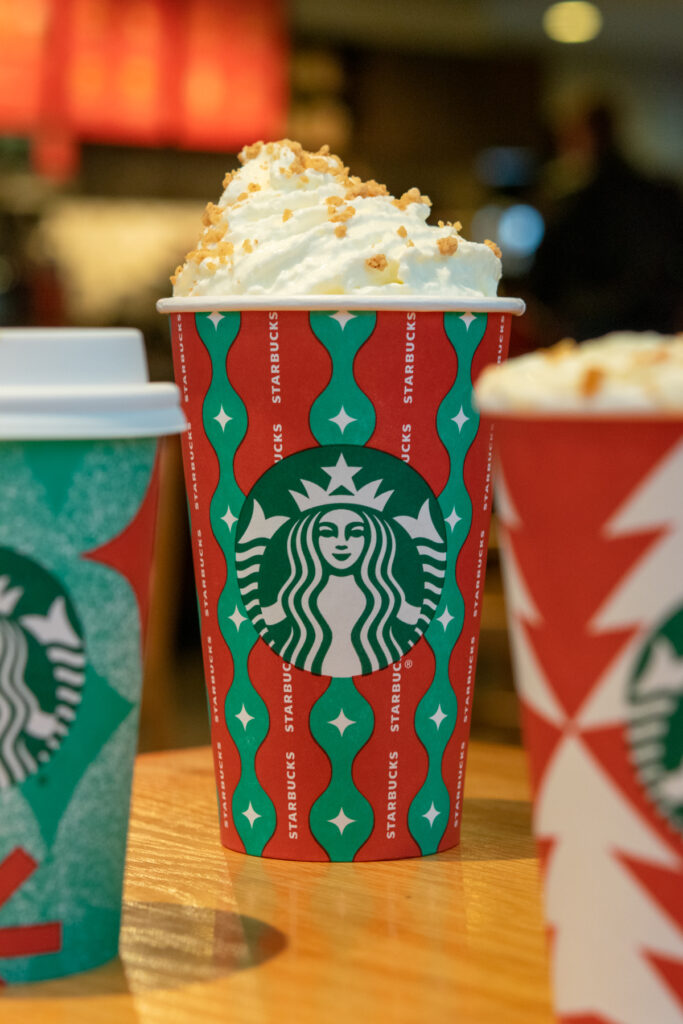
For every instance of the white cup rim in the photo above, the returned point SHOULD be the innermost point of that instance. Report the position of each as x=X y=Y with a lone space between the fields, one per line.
x=313 y=303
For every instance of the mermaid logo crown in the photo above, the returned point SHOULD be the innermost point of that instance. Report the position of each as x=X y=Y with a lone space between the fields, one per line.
x=341 y=475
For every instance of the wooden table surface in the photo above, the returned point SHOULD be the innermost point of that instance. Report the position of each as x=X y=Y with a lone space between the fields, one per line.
x=215 y=936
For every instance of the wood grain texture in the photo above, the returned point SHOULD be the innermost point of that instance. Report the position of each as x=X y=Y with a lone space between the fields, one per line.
x=212 y=937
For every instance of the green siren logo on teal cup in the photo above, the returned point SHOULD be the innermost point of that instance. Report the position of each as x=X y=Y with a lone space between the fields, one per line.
x=656 y=717
x=42 y=667
x=341 y=558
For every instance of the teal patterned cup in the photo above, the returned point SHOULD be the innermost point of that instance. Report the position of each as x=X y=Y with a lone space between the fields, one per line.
x=79 y=429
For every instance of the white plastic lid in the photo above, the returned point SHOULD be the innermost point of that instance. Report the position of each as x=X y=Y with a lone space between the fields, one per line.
x=62 y=383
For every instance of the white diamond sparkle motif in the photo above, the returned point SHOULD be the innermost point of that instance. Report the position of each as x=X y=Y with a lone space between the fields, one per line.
x=222 y=418
x=461 y=419
x=342 y=419
x=453 y=519
x=244 y=717
x=432 y=814
x=342 y=317
x=250 y=814
x=341 y=722
x=215 y=318
x=468 y=319
x=445 y=618
x=229 y=519
x=237 y=618
x=341 y=821
x=438 y=717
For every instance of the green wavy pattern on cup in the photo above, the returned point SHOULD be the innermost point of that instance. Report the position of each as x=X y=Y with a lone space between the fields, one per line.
x=341 y=721
x=342 y=412
x=246 y=715
x=436 y=714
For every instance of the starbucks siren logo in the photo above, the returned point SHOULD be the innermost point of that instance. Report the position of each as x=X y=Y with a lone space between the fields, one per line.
x=656 y=718
x=42 y=667
x=341 y=558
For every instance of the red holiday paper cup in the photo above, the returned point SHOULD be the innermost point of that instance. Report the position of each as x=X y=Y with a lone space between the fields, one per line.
x=339 y=494
x=591 y=534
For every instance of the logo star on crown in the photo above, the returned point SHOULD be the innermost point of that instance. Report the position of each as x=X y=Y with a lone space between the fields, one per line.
x=341 y=476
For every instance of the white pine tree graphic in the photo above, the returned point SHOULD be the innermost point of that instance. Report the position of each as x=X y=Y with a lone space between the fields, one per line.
x=604 y=920
x=656 y=505
x=605 y=923
x=650 y=593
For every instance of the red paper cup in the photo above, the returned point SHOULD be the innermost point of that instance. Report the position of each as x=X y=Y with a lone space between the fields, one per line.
x=339 y=493
x=591 y=532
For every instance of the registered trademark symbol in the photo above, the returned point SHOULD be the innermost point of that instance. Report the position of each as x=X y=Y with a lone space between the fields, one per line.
x=408 y=663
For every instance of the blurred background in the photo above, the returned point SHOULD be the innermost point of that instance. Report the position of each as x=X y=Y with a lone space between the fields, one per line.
x=556 y=130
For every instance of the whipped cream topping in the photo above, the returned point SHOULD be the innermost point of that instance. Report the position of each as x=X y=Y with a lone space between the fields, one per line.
x=624 y=371
x=291 y=223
